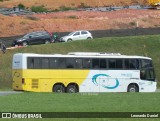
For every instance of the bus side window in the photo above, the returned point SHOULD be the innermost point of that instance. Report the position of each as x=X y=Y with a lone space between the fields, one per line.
x=115 y=63
x=119 y=63
x=69 y=62
x=30 y=63
x=52 y=63
x=78 y=63
x=126 y=64
x=137 y=64
x=86 y=63
x=134 y=64
x=37 y=63
x=95 y=63
x=103 y=64
x=61 y=63
x=45 y=63
x=112 y=63
x=131 y=64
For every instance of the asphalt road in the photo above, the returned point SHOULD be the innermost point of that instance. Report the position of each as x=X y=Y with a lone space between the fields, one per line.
x=3 y=93
x=99 y=34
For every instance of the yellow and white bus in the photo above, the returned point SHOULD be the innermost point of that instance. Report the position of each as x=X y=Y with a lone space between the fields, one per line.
x=83 y=72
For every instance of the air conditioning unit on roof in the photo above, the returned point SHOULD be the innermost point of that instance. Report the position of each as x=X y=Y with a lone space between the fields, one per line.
x=93 y=54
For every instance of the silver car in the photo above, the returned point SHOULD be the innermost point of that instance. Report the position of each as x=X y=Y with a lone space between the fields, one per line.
x=77 y=35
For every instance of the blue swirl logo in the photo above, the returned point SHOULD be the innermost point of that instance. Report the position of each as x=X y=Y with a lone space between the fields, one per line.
x=94 y=80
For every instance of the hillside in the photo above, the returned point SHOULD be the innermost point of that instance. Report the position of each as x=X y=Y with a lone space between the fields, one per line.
x=66 y=21
x=54 y=4
x=141 y=45
x=76 y=20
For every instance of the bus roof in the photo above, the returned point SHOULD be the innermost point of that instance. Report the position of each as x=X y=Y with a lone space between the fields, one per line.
x=83 y=55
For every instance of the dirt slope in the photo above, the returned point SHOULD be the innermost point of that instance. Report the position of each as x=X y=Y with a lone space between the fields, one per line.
x=53 y=4
x=70 y=21
x=76 y=20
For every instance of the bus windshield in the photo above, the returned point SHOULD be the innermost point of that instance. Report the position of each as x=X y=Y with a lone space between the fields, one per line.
x=147 y=71
x=146 y=63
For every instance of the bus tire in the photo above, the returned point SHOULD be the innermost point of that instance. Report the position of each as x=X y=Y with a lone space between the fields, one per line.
x=133 y=88
x=58 y=88
x=72 y=89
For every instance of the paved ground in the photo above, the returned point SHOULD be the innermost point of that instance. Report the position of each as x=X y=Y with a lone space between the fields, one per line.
x=3 y=93
x=158 y=90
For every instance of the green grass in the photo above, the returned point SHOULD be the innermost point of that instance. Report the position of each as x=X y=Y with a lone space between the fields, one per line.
x=136 y=45
x=82 y=102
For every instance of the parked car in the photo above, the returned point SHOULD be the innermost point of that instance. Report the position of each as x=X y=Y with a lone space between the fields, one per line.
x=38 y=37
x=76 y=35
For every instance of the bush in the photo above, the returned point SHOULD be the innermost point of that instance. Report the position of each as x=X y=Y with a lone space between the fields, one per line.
x=39 y=9
x=83 y=5
x=21 y=6
x=72 y=17
x=132 y=23
x=64 y=8
x=55 y=10
x=32 y=18
x=23 y=23
x=1 y=0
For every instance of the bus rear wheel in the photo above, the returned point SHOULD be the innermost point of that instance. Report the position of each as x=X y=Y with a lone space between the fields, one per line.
x=59 y=88
x=132 y=88
x=72 y=89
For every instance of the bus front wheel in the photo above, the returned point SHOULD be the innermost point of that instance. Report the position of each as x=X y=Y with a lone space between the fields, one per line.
x=132 y=88
x=58 y=88
x=72 y=89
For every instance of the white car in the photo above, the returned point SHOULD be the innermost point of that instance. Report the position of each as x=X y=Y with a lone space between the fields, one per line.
x=77 y=35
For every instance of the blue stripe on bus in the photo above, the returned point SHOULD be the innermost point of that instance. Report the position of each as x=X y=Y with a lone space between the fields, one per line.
x=94 y=80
